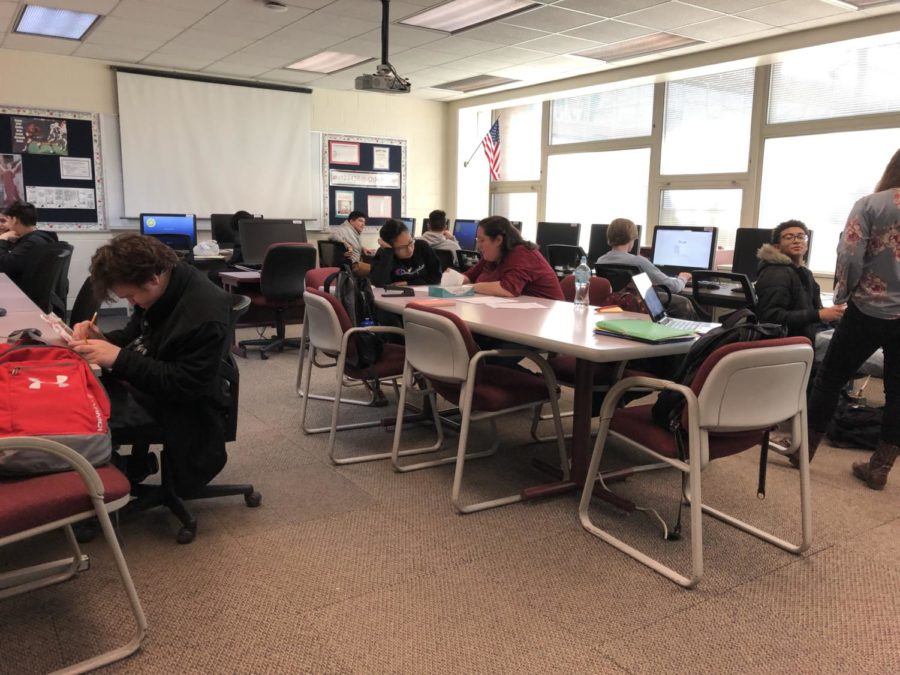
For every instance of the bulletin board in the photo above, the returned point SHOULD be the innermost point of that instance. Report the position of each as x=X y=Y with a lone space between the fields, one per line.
x=362 y=173
x=52 y=159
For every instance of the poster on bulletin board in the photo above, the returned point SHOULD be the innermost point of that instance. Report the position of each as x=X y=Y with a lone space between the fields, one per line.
x=362 y=173
x=51 y=158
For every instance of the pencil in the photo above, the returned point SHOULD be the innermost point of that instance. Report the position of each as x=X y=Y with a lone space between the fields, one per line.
x=93 y=323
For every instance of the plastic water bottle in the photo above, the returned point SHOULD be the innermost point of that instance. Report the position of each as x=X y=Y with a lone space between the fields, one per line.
x=582 y=282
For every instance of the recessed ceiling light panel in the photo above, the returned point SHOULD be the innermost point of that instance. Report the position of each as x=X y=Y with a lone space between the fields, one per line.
x=639 y=46
x=329 y=62
x=52 y=22
x=460 y=15
x=474 y=83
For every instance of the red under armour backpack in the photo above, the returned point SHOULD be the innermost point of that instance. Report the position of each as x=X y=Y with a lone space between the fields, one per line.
x=51 y=392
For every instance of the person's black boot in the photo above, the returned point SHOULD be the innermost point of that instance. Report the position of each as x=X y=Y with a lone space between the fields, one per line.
x=815 y=437
x=874 y=472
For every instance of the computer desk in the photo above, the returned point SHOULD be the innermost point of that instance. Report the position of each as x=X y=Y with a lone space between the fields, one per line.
x=559 y=328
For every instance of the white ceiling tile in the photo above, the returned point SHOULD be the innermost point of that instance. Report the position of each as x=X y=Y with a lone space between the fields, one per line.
x=360 y=47
x=209 y=54
x=608 y=8
x=406 y=36
x=482 y=64
x=112 y=39
x=559 y=44
x=258 y=60
x=421 y=58
x=610 y=31
x=464 y=46
x=344 y=80
x=366 y=9
x=298 y=44
x=731 y=6
x=669 y=15
x=514 y=55
x=433 y=94
x=289 y=76
x=770 y=32
x=154 y=31
x=7 y=12
x=203 y=6
x=202 y=39
x=551 y=19
x=111 y=53
x=721 y=29
x=438 y=75
x=255 y=12
x=90 y=6
x=503 y=34
x=793 y=11
x=235 y=27
x=184 y=62
x=34 y=43
x=143 y=11
x=234 y=69
x=319 y=22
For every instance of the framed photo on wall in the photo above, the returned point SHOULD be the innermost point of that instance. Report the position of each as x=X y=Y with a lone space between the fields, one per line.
x=342 y=152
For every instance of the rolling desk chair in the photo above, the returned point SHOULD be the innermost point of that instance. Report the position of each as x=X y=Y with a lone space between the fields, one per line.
x=447 y=258
x=619 y=276
x=41 y=275
x=466 y=259
x=727 y=290
x=564 y=258
x=85 y=305
x=331 y=253
x=59 y=298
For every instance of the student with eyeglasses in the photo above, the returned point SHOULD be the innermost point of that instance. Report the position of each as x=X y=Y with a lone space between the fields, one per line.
x=786 y=291
x=403 y=260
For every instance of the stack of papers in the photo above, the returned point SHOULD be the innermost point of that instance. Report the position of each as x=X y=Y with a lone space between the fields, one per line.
x=643 y=331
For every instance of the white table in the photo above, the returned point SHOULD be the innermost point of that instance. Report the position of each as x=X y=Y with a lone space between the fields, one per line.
x=21 y=312
x=560 y=328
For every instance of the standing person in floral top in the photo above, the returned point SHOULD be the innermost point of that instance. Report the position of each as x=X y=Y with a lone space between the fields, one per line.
x=868 y=280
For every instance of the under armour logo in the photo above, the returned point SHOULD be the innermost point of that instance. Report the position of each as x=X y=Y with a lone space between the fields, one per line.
x=61 y=382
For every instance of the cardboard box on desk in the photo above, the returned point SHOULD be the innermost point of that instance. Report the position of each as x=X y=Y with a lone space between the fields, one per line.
x=451 y=291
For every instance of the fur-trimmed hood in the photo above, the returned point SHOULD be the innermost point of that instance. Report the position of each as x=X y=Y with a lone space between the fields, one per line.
x=769 y=254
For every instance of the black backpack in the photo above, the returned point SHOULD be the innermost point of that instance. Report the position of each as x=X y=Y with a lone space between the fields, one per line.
x=739 y=326
x=855 y=425
x=356 y=296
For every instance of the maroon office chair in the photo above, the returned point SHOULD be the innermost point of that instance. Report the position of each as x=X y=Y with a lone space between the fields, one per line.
x=281 y=285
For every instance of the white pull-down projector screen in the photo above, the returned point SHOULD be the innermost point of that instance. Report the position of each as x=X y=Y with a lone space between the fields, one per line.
x=198 y=147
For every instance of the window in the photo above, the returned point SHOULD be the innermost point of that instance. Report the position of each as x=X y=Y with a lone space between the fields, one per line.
x=818 y=178
x=473 y=178
x=517 y=206
x=621 y=113
x=719 y=208
x=836 y=81
x=520 y=142
x=707 y=123
x=595 y=187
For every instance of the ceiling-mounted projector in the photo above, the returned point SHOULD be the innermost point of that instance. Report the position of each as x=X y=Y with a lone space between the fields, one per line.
x=385 y=80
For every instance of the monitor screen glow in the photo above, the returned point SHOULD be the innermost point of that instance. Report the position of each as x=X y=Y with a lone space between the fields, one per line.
x=464 y=231
x=684 y=248
x=162 y=224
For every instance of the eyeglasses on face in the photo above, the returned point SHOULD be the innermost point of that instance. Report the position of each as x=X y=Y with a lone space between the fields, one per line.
x=404 y=247
x=802 y=236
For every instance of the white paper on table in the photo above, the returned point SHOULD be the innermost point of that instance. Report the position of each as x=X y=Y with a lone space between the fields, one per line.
x=420 y=289
x=451 y=277
x=516 y=305
x=485 y=300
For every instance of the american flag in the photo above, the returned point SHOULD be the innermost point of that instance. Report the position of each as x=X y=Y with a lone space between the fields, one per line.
x=491 y=145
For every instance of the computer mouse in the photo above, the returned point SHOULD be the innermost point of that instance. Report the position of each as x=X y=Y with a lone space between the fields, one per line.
x=2 y=311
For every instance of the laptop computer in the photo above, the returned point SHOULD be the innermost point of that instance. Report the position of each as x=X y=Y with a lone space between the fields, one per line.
x=658 y=312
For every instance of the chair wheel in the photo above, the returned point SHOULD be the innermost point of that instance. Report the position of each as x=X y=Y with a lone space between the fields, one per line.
x=263 y=356
x=253 y=500
x=86 y=531
x=186 y=534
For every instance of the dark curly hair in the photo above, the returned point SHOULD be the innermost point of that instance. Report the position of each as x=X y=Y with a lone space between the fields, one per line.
x=786 y=225
x=391 y=230
x=129 y=259
x=25 y=212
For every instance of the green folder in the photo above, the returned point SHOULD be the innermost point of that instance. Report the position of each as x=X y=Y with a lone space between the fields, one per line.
x=644 y=331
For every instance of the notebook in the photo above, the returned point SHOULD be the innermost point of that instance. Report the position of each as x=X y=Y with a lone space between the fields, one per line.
x=658 y=312
x=643 y=331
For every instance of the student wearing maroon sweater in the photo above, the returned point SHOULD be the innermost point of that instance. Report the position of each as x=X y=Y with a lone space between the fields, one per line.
x=509 y=265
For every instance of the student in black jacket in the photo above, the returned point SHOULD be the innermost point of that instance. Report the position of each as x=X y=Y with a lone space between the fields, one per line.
x=21 y=238
x=169 y=354
x=402 y=259
x=786 y=291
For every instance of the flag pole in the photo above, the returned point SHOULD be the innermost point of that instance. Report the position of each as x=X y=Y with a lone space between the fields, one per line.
x=466 y=163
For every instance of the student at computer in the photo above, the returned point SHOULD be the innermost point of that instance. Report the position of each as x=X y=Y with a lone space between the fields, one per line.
x=169 y=355
x=621 y=235
x=20 y=238
x=786 y=291
x=237 y=255
x=403 y=260
x=438 y=235
x=348 y=233
x=509 y=265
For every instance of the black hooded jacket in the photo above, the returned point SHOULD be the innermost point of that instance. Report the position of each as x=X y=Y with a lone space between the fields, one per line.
x=172 y=353
x=14 y=255
x=787 y=294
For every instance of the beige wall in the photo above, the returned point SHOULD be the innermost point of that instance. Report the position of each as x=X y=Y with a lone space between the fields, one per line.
x=66 y=83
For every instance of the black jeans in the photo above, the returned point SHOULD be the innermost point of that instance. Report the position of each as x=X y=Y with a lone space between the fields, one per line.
x=855 y=339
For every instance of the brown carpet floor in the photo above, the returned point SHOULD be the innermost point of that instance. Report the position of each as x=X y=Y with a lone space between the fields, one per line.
x=361 y=570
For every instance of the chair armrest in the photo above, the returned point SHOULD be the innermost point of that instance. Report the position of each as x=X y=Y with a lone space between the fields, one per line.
x=537 y=359
x=88 y=474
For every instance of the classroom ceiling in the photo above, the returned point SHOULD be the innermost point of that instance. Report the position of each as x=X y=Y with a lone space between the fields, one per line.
x=244 y=39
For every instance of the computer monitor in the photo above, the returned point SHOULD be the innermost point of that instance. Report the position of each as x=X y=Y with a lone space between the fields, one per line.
x=220 y=224
x=682 y=248
x=410 y=225
x=170 y=228
x=464 y=231
x=557 y=233
x=257 y=235
x=598 y=246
